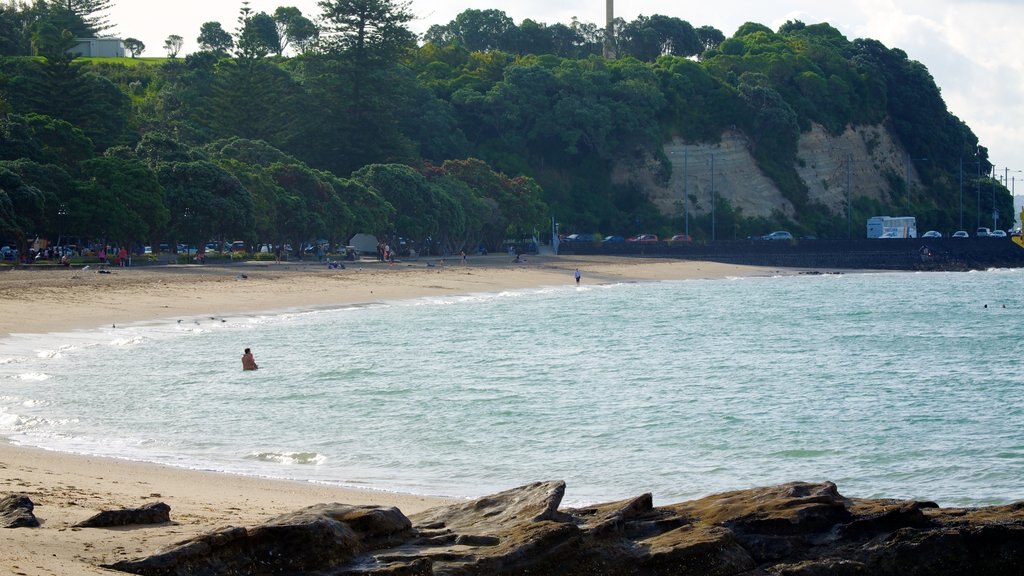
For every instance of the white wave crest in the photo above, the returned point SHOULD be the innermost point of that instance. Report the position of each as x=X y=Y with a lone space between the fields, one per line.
x=289 y=458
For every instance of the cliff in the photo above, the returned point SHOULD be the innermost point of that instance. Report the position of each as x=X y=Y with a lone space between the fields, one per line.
x=822 y=160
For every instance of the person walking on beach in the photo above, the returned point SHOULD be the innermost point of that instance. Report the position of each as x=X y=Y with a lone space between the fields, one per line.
x=577 y=276
x=248 y=362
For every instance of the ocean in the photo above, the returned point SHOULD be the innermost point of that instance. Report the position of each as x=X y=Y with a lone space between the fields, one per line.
x=896 y=385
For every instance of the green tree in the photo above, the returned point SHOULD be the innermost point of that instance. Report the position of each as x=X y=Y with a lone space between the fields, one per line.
x=648 y=38
x=22 y=204
x=134 y=46
x=15 y=39
x=293 y=29
x=709 y=37
x=205 y=201
x=119 y=199
x=256 y=36
x=417 y=211
x=369 y=29
x=484 y=30
x=83 y=18
x=173 y=45
x=213 y=38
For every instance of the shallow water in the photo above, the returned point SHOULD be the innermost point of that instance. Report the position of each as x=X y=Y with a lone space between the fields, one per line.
x=892 y=385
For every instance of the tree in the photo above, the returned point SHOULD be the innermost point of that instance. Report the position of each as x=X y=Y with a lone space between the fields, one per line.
x=709 y=37
x=213 y=38
x=648 y=38
x=173 y=45
x=119 y=199
x=205 y=201
x=369 y=29
x=83 y=18
x=256 y=35
x=14 y=27
x=134 y=46
x=293 y=29
x=417 y=212
x=484 y=30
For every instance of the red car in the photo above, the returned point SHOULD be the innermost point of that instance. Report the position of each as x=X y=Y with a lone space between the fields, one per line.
x=681 y=238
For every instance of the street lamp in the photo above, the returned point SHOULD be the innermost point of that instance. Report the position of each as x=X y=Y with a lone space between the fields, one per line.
x=187 y=216
x=712 y=197
x=62 y=211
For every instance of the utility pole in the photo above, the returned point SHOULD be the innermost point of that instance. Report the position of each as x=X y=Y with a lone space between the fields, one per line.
x=609 y=30
x=712 y=197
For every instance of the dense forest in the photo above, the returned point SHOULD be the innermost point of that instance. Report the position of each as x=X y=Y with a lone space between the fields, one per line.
x=291 y=127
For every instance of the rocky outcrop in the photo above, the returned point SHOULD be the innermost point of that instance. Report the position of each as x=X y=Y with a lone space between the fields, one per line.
x=861 y=156
x=16 y=512
x=154 y=513
x=792 y=529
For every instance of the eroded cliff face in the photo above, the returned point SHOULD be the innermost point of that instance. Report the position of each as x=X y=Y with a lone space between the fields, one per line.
x=822 y=160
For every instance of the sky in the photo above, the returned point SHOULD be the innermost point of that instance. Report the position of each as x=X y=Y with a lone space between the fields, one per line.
x=972 y=48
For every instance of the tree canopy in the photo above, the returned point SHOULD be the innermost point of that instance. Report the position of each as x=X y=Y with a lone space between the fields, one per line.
x=294 y=127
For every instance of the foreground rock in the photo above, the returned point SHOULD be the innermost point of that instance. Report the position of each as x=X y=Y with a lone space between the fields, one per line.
x=793 y=529
x=16 y=511
x=155 y=513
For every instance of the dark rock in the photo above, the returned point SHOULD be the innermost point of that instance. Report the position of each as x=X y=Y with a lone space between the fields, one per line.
x=317 y=538
x=154 y=513
x=16 y=512
x=796 y=529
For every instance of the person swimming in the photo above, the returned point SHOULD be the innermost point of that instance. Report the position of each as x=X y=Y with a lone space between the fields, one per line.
x=248 y=361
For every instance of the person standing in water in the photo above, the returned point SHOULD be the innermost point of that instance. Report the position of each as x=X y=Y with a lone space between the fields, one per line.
x=248 y=362
x=577 y=276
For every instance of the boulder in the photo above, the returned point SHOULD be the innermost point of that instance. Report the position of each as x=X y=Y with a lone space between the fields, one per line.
x=16 y=512
x=795 y=529
x=155 y=513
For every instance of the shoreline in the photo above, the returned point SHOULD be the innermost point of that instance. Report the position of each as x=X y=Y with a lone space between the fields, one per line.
x=67 y=488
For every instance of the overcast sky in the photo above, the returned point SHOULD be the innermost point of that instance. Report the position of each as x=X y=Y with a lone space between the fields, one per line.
x=973 y=48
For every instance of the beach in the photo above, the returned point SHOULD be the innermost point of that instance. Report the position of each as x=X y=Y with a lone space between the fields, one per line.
x=67 y=489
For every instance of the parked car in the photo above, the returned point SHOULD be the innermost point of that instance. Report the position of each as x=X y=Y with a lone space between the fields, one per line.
x=932 y=234
x=643 y=238
x=961 y=234
x=239 y=246
x=681 y=238
x=983 y=233
x=998 y=234
x=778 y=235
x=613 y=240
x=1015 y=232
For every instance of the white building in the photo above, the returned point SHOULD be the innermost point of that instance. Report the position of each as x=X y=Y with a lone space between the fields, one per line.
x=98 y=48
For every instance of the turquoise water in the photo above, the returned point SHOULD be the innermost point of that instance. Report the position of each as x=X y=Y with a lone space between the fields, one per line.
x=895 y=385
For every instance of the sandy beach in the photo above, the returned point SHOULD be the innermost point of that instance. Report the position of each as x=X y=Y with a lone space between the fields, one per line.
x=67 y=489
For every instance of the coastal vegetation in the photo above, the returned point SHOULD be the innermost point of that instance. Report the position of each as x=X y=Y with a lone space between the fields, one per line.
x=296 y=127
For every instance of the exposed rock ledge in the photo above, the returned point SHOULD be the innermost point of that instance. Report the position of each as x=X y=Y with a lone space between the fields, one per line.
x=791 y=529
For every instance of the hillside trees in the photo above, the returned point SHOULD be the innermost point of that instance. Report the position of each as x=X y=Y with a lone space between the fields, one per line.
x=83 y=18
x=118 y=199
x=647 y=38
x=256 y=36
x=214 y=38
x=293 y=29
x=205 y=201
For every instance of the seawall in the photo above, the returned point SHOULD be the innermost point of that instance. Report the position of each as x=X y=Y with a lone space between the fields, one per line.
x=887 y=254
